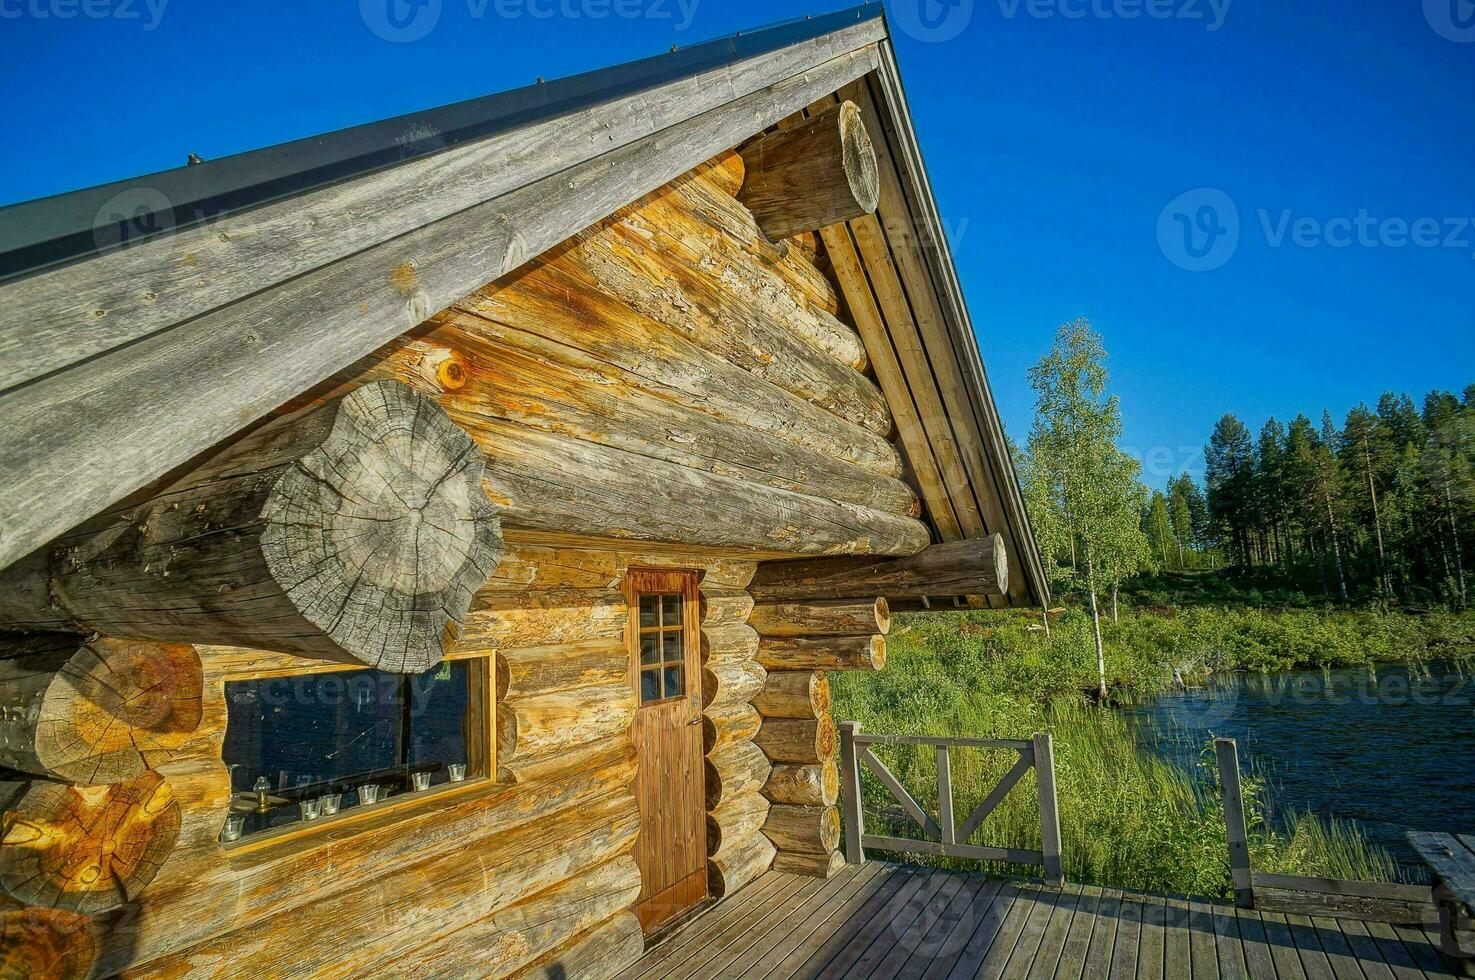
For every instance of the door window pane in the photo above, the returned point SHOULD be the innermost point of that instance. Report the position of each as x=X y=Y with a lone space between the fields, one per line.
x=672 y=642
x=650 y=685
x=674 y=686
x=649 y=611
x=671 y=610
x=650 y=648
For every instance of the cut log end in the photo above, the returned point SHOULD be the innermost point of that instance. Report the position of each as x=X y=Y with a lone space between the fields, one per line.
x=85 y=849
x=818 y=173
x=46 y=944
x=381 y=535
x=97 y=711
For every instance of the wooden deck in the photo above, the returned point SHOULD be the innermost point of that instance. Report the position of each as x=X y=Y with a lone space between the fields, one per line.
x=891 y=920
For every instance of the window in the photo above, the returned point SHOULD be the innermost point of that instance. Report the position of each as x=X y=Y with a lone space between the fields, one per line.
x=304 y=747
x=662 y=608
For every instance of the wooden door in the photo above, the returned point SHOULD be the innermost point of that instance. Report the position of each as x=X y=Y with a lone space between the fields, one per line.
x=665 y=669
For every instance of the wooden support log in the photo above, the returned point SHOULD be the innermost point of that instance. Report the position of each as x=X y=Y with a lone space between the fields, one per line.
x=95 y=711
x=808 y=785
x=529 y=727
x=85 y=849
x=734 y=821
x=803 y=829
x=735 y=643
x=794 y=694
x=734 y=770
x=832 y=618
x=725 y=607
x=977 y=566
x=782 y=653
x=46 y=944
x=356 y=531
x=813 y=865
x=731 y=683
x=593 y=955
x=809 y=176
x=534 y=671
x=798 y=740
x=732 y=871
x=727 y=724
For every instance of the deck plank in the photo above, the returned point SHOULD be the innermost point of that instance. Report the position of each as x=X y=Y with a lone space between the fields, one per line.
x=886 y=921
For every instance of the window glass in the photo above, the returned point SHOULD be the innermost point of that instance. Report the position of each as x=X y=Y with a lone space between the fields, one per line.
x=342 y=739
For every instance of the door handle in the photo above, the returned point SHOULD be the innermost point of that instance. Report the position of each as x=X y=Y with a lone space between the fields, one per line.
x=695 y=721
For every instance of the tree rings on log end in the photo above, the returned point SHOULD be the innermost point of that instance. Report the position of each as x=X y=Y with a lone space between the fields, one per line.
x=859 y=159
x=382 y=533
x=97 y=711
x=85 y=849
x=46 y=944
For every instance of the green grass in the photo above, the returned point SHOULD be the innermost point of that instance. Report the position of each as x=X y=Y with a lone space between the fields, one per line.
x=1129 y=819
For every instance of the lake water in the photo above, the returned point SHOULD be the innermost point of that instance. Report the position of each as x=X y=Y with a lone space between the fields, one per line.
x=1392 y=749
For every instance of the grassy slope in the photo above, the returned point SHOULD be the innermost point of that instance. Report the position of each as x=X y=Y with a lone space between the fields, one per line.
x=1128 y=818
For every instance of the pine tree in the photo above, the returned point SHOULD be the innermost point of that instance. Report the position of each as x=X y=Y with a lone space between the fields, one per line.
x=1229 y=473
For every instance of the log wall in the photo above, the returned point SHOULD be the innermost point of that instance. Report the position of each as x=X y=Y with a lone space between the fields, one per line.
x=666 y=389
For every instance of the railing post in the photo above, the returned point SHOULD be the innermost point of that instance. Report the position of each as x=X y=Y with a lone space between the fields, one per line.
x=1227 y=753
x=850 y=774
x=1044 y=750
x=945 y=798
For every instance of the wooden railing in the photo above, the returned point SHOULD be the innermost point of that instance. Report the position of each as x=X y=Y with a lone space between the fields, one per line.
x=1373 y=901
x=944 y=835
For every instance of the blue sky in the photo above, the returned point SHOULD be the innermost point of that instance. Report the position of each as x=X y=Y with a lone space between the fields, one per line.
x=1083 y=153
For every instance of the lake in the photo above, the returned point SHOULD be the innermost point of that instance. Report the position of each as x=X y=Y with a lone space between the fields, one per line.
x=1392 y=749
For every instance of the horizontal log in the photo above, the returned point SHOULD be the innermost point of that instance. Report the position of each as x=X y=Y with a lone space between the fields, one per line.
x=85 y=849
x=812 y=865
x=781 y=653
x=725 y=875
x=604 y=948
x=533 y=671
x=726 y=684
x=736 y=769
x=811 y=175
x=725 y=607
x=356 y=531
x=547 y=482
x=448 y=886
x=542 y=619
x=477 y=375
x=558 y=315
x=704 y=312
x=803 y=829
x=797 y=740
x=840 y=617
x=665 y=236
x=46 y=944
x=734 y=821
x=788 y=259
x=794 y=694
x=973 y=567
x=727 y=724
x=528 y=727
x=808 y=785
x=95 y=711
x=515 y=936
x=733 y=643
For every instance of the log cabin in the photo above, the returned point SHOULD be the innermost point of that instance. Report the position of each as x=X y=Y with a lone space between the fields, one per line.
x=423 y=547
